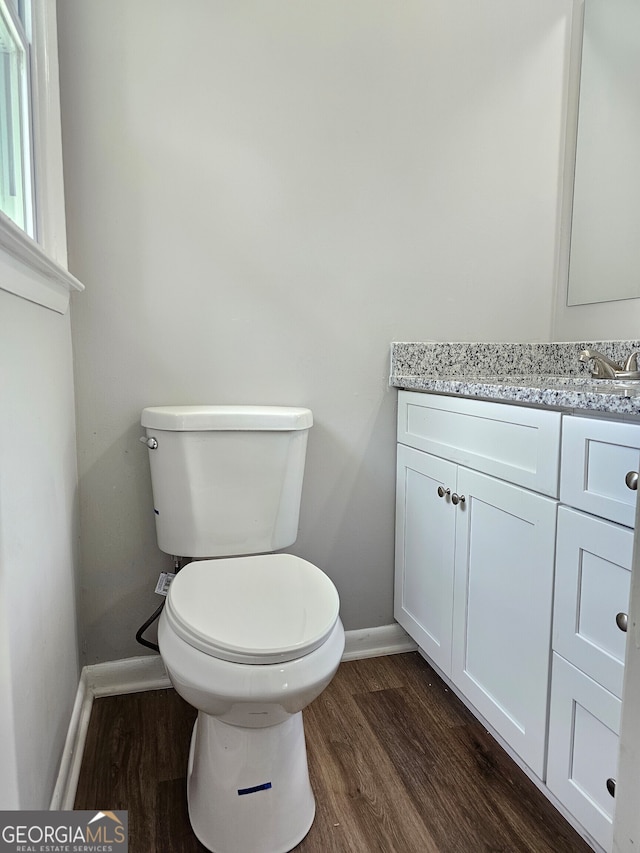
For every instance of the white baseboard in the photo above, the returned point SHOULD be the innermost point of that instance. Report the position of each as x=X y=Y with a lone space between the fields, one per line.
x=147 y=672
x=131 y=675
x=376 y=642
x=64 y=792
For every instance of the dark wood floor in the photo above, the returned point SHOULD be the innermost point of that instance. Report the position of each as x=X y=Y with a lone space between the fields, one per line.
x=397 y=763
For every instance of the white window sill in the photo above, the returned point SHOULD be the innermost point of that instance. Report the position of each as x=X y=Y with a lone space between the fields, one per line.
x=27 y=271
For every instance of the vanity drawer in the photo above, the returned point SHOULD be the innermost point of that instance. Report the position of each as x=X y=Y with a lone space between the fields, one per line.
x=593 y=574
x=596 y=457
x=584 y=725
x=513 y=443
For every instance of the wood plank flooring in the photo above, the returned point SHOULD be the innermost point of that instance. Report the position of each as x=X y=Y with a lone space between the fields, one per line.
x=397 y=764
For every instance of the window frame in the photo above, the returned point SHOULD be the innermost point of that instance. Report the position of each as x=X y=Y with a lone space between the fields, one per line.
x=19 y=30
x=37 y=268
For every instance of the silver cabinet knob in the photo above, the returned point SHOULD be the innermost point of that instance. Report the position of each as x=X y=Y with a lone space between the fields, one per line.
x=457 y=499
x=611 y=787
x=622 y=621
x=442 y=492
x=632 y=480
x=150 y=442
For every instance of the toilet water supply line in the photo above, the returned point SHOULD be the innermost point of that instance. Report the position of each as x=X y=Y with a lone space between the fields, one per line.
x=177 y=565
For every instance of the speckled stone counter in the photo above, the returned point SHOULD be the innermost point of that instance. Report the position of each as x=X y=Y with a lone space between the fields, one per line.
x=535 y=374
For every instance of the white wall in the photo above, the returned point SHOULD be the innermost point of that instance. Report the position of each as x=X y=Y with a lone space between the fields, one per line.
x=602 y=321
x=38 y=647
x=261 y=197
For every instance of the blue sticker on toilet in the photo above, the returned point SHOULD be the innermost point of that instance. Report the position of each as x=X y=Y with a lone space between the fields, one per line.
x=264 y=787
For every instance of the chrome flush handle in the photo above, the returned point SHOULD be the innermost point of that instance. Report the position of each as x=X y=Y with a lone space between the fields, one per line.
x=150 y=442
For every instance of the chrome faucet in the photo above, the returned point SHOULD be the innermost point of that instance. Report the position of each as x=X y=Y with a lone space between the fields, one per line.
x=604 y=368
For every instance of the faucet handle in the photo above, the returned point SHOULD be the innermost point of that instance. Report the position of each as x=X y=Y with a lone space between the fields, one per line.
x=631 y=363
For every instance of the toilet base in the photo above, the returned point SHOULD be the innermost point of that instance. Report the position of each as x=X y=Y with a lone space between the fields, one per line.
x=248 y=789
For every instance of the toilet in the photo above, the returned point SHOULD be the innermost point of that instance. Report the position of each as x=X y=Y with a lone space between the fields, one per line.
x=249 y=637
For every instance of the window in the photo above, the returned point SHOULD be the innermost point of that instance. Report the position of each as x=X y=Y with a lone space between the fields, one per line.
x=16 y=166
x=33 y=251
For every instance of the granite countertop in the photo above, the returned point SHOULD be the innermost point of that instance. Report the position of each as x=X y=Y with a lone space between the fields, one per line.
x=535 y=374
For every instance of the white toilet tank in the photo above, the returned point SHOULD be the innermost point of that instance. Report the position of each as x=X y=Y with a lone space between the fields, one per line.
x=226 y=480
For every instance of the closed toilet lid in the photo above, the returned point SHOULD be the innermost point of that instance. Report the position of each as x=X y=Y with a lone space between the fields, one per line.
x=260 y=609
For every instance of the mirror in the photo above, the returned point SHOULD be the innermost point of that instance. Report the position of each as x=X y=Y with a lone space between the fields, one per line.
x=604 y=259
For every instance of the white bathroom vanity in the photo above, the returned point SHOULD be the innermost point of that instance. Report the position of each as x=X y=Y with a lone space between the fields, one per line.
x=515 y=509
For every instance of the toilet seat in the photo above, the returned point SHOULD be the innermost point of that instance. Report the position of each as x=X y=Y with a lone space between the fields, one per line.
x=255 y=610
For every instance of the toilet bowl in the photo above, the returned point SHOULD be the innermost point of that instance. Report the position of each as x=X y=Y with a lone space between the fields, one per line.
x=250 y=642
x=251 y=637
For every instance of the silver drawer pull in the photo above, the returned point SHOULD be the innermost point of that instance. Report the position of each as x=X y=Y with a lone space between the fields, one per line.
x=632 y=481
x=442 y=492
x=611 y=787
x=457 y=499
x=622 y=621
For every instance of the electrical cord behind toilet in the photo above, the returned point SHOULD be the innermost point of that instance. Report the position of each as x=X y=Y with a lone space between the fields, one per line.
x=177 y=565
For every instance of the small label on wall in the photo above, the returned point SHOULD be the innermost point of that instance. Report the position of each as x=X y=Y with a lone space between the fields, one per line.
x=164 y=582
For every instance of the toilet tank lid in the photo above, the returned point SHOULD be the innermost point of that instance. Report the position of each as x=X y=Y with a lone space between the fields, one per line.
x=195 y=418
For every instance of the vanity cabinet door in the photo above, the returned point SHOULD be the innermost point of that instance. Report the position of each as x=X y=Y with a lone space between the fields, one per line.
x=424 y=552
x=584 y=724
x=502 y=608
